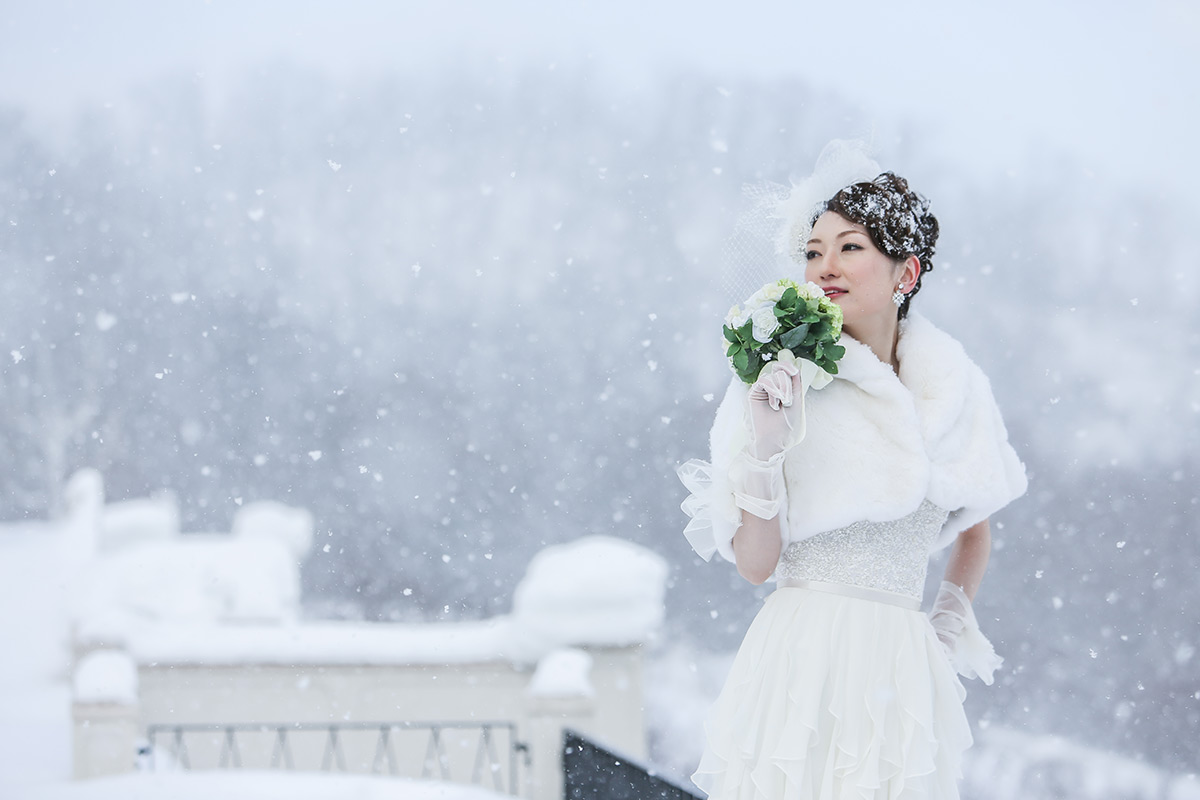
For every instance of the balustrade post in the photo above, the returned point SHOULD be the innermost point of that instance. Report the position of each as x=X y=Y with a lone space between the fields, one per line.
x=104 y=740
x=104 y=714
x=548 y=717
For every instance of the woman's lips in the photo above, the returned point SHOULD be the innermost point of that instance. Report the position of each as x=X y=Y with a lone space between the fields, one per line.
x=831 y=291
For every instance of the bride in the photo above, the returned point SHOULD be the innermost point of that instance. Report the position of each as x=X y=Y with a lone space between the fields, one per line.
x=842 y=688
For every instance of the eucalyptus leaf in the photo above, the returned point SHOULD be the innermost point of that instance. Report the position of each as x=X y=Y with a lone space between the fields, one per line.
x=793 y=338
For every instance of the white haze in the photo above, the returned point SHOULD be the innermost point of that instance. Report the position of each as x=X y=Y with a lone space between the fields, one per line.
x=987 y=86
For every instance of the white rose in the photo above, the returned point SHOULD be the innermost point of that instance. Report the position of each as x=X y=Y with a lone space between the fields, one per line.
x=772 y=293
x=767 y=295
x=765 y=324
x=757 y=299
x=736 y=317
x=811 y=291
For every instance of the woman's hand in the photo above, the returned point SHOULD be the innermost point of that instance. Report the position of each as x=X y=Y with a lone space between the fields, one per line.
x=954 y=622
x=776 y=409
x=952 y=617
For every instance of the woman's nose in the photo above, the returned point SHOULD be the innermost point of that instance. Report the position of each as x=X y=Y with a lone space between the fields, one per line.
x=830 y=266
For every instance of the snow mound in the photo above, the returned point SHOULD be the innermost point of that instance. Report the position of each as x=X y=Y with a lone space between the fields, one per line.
x=106 y=676
x=266 y=519
x=563 y=673
x=132 y=522
x=194 y=579
x=84 y=492
x=597 y=590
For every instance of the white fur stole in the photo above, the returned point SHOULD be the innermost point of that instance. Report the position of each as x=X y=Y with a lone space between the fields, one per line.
x=876 y=446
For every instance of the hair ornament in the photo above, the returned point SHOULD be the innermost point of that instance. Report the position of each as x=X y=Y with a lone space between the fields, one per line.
x=842 y=163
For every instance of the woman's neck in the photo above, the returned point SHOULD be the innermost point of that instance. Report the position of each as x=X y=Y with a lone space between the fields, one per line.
x=881 y=336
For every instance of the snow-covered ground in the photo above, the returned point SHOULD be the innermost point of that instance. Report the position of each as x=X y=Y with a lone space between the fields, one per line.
x=35 y=587
x=251 y=786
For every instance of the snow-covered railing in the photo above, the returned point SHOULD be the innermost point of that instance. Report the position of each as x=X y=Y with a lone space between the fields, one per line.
x=569 y=655
x=344 y=747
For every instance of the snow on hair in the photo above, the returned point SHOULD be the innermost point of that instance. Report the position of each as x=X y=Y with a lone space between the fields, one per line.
x=896 y=218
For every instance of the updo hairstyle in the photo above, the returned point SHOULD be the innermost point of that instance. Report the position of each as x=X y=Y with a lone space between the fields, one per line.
x=896 y=218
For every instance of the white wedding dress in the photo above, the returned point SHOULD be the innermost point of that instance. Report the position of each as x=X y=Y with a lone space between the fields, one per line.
x=841 y=689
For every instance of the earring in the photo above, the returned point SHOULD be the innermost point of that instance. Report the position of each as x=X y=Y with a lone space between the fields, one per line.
x=898 y=295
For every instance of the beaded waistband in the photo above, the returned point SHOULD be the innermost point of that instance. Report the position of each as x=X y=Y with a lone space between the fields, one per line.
x=860 y=592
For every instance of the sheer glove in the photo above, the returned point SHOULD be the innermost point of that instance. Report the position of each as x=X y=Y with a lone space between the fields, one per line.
x=776 y=412
x=775 y=416
x=953 y=620
x=758 y=486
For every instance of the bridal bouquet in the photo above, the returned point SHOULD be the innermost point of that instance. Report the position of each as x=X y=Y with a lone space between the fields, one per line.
x=781 y=316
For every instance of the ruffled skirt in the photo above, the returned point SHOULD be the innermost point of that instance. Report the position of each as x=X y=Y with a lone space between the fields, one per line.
x=833 y=697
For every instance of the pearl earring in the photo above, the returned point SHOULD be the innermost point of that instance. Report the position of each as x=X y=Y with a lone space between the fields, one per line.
x=898 y=295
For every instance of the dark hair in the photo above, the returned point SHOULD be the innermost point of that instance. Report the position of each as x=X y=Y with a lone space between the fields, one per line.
x=896 y=218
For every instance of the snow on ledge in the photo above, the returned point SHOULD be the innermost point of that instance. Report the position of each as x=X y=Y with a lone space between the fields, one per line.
x=325 y=643
x=595 y=592
x=196 y=579
x=129 y=523
x=106 y=676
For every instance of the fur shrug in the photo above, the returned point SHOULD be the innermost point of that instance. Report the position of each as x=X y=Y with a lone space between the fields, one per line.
x=877 y=444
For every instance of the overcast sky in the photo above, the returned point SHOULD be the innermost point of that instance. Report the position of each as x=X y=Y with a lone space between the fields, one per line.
x=1115 y=84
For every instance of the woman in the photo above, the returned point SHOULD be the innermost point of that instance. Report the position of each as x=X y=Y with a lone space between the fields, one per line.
x=842 y=688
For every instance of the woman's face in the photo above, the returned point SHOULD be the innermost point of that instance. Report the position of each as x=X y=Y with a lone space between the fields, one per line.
x=855 y=274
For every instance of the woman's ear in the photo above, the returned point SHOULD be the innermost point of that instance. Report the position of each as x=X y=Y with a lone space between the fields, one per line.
x=910 y=273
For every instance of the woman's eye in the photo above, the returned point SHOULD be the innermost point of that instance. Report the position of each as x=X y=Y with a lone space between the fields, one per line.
x=809 y=255
x=851 y=246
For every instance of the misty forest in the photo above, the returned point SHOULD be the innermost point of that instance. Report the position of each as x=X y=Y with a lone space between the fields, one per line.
x=463 y=316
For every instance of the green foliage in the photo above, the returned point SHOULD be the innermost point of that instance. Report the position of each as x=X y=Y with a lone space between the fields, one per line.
x=803 y=329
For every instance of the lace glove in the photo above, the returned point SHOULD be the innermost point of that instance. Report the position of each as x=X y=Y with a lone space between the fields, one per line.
x=953 y=620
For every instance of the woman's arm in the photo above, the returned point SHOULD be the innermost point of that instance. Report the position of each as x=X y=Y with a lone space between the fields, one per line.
x=757 y=545
x=968 y=558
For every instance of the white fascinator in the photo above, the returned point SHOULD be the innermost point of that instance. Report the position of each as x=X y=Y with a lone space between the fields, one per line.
x=769 y=239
